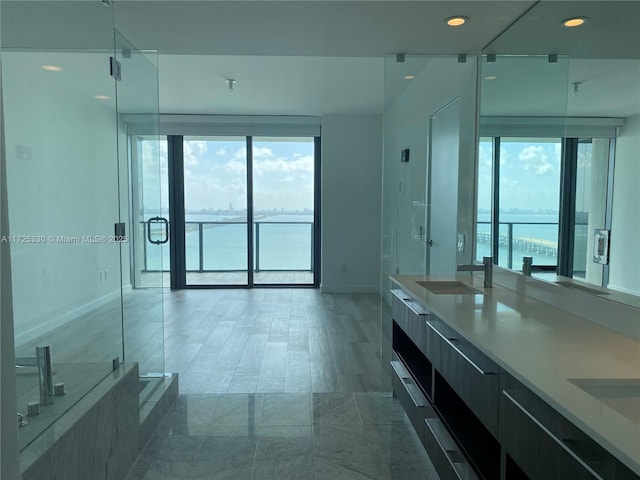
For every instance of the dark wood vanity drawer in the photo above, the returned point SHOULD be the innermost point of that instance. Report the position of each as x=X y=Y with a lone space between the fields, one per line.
x=544 y=444
x=443 y=451
x=410 y=315
x=471 y=374
x=410 y=396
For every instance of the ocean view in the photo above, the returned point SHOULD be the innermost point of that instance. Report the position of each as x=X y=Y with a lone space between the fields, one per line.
x=284 y=243
x=534 y=234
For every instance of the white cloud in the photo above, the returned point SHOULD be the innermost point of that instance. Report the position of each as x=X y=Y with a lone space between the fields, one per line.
x=535 y=158
x=484 y=156
x=298 y=166
x=236 y=167
x=258 y=152
x=221 y=152
x=193 y=150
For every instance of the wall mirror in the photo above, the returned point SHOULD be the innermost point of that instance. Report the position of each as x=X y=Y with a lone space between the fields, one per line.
x=558 y=169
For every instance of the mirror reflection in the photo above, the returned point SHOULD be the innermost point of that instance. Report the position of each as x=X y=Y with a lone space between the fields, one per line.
x=559 y=138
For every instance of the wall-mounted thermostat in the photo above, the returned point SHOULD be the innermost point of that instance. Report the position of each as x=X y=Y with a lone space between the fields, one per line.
x=404 y=155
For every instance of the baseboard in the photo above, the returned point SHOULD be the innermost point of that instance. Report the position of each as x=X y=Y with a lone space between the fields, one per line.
x=45 y=326
x=349 y=289
x=623 y=290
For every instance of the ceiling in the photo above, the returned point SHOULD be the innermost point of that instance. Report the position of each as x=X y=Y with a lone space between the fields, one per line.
x=312 y=57
x=288 y=57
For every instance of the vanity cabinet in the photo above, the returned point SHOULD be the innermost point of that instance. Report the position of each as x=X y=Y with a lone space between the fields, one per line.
x=471 y=374
x=448 y=389
x=475 y=420
x=540 y=443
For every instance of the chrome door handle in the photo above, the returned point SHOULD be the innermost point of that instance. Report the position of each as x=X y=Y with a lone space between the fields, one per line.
x=158 y=220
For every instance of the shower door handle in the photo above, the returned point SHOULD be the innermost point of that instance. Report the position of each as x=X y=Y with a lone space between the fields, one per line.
x=154 y=221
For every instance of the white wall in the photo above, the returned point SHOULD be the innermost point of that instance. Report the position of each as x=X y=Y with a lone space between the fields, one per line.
x=62 y=175
x=624 y=273
x=351 y=200
x=406 y=122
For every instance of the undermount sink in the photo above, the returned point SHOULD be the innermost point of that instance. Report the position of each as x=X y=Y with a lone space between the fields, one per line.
x=582 y=288
x=621 y=395
x=449 y=288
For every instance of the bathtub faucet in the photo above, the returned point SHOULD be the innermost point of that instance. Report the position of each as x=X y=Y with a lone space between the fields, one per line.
x=45 y=373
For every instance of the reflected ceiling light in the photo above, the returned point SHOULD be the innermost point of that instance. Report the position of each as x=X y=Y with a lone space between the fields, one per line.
x=230 y=83
x=574 y=22
x=102 y=97
x=51 y=68
x=409 y=77
x=490 y=77
x=456 y=21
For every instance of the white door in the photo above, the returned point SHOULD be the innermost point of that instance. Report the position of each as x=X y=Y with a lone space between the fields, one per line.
x=442 y=189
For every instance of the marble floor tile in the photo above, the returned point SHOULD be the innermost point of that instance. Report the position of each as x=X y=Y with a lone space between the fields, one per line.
x=282 y=409
x=343 y=447
x=379 y=408
x=234 y=409
x=288 y=458
x=334 y=409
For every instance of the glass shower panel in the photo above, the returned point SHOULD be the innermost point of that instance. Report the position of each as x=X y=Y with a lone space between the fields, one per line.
x=404 y=182
x=141 y=209
x=62 y=176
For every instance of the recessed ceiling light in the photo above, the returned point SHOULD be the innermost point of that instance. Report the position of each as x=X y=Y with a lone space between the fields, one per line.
x=51 y=68
x=409 y=77
x=456 y=21
x=574 y=22
x=102 y=97
x=490 y=77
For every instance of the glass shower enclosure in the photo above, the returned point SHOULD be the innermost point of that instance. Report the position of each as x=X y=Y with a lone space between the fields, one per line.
x=68 y=77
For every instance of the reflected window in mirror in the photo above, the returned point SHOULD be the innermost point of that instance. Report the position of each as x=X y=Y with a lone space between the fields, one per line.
x=592 y=174
x=485 y=190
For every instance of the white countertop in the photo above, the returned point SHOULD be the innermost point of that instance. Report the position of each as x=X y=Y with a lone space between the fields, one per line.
x=544 y=347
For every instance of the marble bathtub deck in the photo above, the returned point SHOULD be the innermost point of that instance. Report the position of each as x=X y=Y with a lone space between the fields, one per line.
x=333 y=436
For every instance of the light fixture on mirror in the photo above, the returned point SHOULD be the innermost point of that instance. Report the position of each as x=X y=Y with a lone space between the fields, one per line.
x=574 y=22
x=102 y=97
x=230 y=84
x=456 y=21
x=490 y=77
x=51 y=68
x=409 y=77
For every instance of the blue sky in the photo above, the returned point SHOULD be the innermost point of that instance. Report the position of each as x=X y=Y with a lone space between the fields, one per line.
x=215 y=173
x=529 y=174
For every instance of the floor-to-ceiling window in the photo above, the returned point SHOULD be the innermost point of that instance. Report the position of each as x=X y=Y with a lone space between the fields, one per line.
x=243 y=210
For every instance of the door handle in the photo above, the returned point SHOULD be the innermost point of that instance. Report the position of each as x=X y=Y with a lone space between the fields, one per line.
x=429 y=242
x=158 y=220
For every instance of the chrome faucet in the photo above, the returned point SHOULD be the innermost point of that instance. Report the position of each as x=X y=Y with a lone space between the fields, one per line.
x=486 y=267
x=45 y=373
x=527 y=264
x=21 y=421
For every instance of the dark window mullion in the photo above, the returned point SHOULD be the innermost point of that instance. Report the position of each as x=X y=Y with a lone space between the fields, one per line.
x=250 y=246
x=495 y=203
x=567 y=220
x=316 y=211
x=177 y=255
